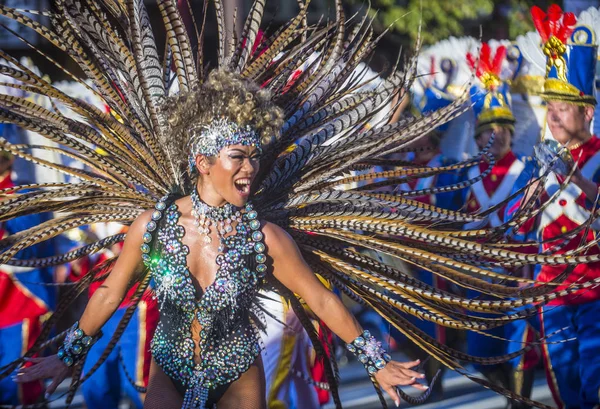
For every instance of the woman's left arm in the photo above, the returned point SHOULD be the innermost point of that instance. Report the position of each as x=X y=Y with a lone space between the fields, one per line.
x=292 y=271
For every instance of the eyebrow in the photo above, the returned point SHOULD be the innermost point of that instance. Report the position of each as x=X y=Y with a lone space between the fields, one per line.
x=243 y=152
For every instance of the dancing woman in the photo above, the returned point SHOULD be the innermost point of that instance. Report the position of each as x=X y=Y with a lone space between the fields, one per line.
x=209 y=253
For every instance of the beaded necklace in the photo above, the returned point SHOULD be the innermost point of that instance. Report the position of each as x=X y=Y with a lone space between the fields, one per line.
x=578 y=144
x=219 y=218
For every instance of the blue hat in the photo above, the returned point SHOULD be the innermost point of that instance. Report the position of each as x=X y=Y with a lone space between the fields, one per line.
x=571 y=54
x=436 y=96
x=490 y=98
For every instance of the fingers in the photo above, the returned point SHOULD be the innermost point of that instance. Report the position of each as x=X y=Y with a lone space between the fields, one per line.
x=28 y=376
x=30 y=373
x=393 y=394
x=407 y=373
x=34 y=360
x=409 y=364
x=53 y=385
x=419 y=386
x=404 y=376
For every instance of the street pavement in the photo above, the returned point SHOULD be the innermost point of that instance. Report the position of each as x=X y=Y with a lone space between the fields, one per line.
x=459 y=393
x=357 y=392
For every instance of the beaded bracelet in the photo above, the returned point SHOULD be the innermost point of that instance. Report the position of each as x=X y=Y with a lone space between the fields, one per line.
x=369 y=352
x=76 y=345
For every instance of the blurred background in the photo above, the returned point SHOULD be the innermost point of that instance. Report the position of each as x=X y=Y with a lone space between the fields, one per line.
x=440 y=19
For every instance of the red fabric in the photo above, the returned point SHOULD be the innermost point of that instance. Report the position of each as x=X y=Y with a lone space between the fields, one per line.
x=16 y=302
x=31 y=391
x=525 y=227
x=533 y=356
x=412 y=183
x=152 y=317
x=318 y=369
x=491 y=182
x=6 y=181
x=79 y=268
x=583 y=272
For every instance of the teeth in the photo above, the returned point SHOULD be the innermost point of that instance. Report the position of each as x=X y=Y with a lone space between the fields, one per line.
x=243 y=184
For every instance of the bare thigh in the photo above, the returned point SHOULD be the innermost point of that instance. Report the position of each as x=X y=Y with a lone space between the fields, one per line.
x=248 y=392
x=161 y=391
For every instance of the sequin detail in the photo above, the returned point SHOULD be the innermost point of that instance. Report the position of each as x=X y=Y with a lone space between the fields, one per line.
x=222 y=358
x=218 y=218
x=76 y=345
x=208 y=140
x=369 y=352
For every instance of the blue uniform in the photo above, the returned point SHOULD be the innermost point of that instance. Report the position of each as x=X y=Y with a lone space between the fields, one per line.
x=572 y=367
x=493 y=189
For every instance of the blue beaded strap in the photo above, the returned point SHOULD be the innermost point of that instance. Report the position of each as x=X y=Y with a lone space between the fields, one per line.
x=76 y=345
x=369 y=352
x=157 y=215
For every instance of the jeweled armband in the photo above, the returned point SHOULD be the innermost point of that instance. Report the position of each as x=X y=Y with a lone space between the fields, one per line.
x=76 y=345
x=369 y=352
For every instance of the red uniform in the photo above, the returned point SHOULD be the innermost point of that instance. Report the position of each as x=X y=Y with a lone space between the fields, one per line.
x=565 y=213
x=22 y=308
x=494 y=188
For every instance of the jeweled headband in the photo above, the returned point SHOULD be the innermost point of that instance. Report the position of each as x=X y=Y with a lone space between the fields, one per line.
x=208 y=140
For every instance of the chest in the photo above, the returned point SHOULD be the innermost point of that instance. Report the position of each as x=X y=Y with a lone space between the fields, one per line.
x=492 y=186
x=210 y=278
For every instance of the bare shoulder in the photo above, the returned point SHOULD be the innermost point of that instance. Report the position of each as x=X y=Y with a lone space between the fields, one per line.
x=277 y=239
x=138 y=227
x=142 y=220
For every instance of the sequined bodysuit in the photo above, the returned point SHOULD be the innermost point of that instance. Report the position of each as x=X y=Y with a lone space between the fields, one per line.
x=228 y=341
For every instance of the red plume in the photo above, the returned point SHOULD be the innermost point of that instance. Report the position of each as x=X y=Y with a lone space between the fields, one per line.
x=568 y=25
x=432 y=70
x=538 y=16
x=486 y=63
x=471 y=60
x=496 y=67
x=555 y=23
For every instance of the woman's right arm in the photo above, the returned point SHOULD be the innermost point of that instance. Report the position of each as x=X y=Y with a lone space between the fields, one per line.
x=101 y=306
x=107 y=298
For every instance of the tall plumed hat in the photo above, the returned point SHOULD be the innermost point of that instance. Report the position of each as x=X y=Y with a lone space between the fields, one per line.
x=435 y=94
x=490 y=98
x=526 y=86
x=570 y=52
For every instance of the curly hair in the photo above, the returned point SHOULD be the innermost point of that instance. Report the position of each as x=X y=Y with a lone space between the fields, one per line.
x=222 y=95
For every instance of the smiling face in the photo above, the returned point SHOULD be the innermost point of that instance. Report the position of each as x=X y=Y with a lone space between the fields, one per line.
x=501 y=144
x=227 y=177
x=569 y=122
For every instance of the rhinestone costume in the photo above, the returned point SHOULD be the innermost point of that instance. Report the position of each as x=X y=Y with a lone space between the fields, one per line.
x=229 y=335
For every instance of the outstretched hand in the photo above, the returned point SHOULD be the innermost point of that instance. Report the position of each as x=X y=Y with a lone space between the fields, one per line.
x=399 y=374
x=44 y=368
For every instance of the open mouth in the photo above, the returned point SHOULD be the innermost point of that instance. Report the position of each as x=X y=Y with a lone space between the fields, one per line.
x=243 y=186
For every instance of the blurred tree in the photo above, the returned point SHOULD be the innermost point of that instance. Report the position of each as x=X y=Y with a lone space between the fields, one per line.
x=444 y=18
